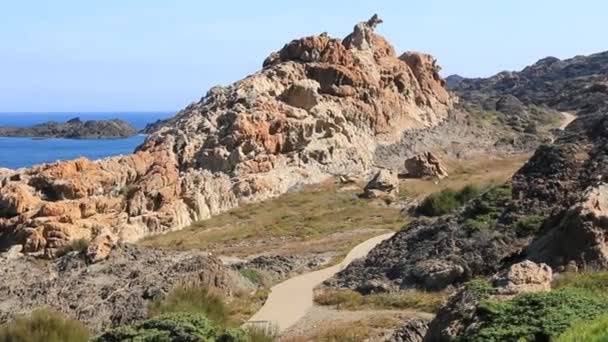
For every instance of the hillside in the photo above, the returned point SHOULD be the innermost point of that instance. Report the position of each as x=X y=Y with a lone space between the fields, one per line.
x=549 y=216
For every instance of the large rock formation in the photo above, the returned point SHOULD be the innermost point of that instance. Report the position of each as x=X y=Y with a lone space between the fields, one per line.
x=319 y=107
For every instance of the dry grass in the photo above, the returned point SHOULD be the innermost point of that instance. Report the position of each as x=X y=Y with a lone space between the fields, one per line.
x=405 y=300
x=356 y=331
x=321 y=218
x=313 y=213
x=483 y=171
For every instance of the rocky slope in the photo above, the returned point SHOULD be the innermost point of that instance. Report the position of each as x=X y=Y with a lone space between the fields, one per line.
x=114 y=292
x=73 y=129
x=530 y=97
x=319 y=107
x=551 y=211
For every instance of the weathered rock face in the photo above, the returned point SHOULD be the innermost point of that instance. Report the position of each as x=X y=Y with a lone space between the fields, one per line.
x=566 y=181
x=425 y=165
x=320 y=107
x=384 y=185
x=412 y=331
x=110 y=293
x=523 y=277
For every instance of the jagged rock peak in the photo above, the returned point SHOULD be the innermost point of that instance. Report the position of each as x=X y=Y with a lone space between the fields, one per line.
x=319 y=108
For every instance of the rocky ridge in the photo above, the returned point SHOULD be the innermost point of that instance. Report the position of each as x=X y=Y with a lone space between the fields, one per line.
x=319 y=107
x=73 y=129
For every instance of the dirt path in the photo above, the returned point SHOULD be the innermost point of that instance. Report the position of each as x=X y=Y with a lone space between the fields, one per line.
x=568 y=118
x=290 y=300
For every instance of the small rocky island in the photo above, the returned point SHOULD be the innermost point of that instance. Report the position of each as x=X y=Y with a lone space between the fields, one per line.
x=73 y=129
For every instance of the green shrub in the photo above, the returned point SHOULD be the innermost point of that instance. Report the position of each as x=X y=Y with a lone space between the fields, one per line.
x=253 y=275
x=192 y=299
x=479 y=288
x=529 y=225
x=44 y=326
x=79 y=245
x=582 y=331
x=484 y=211
x=445 y=201
x=534 y=316
x=174 y=327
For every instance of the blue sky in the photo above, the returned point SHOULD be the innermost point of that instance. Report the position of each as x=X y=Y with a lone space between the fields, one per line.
x=119 y=55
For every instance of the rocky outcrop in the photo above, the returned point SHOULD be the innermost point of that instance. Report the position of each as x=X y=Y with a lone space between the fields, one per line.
x=111 y=293
x=73 y=129
x=384 y=185
x=413 y=331
x=460 y=313
x=425 y=165
x=523 y=277
x=319 y=107
x=438 y=253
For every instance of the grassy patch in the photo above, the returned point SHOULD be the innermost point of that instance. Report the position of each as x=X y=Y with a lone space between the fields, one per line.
x=445 y=201
x=192 y=299
x=535 y=316
x=352 y=300
x=244 y=305
x=593 y=282
x=593 y=331
x=312 y=213
x=355 y=331
x=262 y=334
x=44 y=326
x=253 y=275
x=79 y=245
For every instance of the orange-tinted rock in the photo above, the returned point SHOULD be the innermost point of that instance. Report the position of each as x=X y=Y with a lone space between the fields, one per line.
x=319 y=107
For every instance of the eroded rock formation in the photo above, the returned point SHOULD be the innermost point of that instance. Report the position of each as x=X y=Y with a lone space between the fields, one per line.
x=425 y=165
x=319 y=107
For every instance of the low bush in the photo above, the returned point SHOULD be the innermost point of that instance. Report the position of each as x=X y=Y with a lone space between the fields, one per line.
x=192 y=299
x=79 y=245
x=446 y=201
x=529 y=225
x=485 y=210
x=253 y=275
x=534 y=316
x=479 y=288
x=174 y=327
x=44 y=325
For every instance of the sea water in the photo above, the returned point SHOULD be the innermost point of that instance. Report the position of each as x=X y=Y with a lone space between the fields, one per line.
x=25 y=152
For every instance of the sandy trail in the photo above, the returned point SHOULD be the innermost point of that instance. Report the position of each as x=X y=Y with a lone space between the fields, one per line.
x=290 y=300
x=568 y=118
